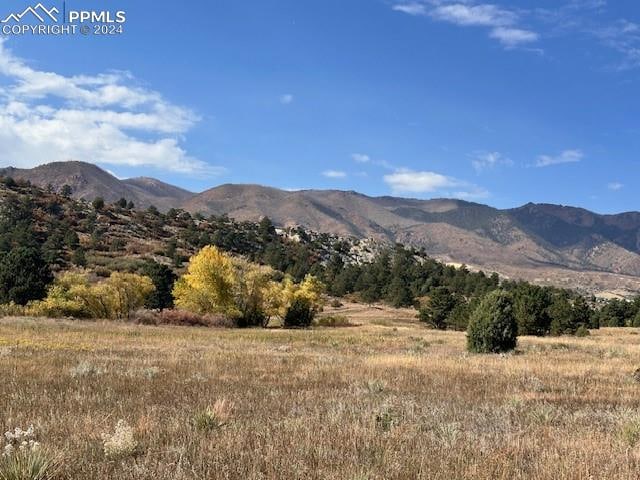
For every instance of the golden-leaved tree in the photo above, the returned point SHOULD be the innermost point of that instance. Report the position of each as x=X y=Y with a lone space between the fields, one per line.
x=219 y=283
x=216 y=282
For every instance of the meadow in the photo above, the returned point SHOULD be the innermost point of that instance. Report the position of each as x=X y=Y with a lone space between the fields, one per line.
x=385 y=398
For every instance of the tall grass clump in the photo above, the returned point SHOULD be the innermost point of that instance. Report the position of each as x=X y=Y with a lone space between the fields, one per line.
x=23 y=458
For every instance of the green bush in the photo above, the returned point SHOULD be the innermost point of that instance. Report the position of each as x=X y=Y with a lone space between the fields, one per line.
x=299 y=314
x=492 y=326
x=582 y=331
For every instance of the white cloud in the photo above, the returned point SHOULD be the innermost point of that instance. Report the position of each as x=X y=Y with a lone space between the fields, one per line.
x=567 y=156
x=409 y=181
x=286 y=99
x=502 y=22
x=512 y=37
x=411 y=8
x=615 y=186
x=474 y=15
x=487 y=160
x=406 y=181
x=105 y=119
x=361 y=158
x=334 y=174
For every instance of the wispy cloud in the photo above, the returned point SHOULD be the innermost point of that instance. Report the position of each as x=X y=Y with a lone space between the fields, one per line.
x=567 y=156
x=286 y=99
x=624 y=37
x=334 y=174
x=503 y=23
x=360 y=157
x=363 y=158
x=513 y=37
x=522 y=28
x=484 y=15
x=105 y=119
x=487 y=160
x=615 y=186
x=411 y=8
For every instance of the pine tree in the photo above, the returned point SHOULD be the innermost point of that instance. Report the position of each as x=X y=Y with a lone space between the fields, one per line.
x=440 y=305
x=492 y=327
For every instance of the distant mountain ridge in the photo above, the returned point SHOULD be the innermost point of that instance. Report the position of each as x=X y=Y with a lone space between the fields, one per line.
x=89 y=181
x=547 y=243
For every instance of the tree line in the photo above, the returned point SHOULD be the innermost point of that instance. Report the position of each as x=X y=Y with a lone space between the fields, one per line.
x=445 y=296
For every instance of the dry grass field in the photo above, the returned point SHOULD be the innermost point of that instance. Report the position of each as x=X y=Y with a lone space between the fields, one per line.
x=387 y=399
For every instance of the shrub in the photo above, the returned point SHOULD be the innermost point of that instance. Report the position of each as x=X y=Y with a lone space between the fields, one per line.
x=582 y=331
x=98 y=203
x=335 y=303
x=85 y=369
x=630 y=432
x=299 y=314
x=296 y=304
x=333 y=321
x=73 y=295
x=214 y=417
x=116 y=297
x=121 y=443
x=492 y=326
x=184 y=318
x=12 y=310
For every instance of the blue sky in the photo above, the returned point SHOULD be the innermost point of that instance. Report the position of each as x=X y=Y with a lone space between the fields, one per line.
x=500 y=102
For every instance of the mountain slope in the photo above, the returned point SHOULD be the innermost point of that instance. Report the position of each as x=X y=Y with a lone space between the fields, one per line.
x=549 y=243
x=541 y=242
x=89 y=181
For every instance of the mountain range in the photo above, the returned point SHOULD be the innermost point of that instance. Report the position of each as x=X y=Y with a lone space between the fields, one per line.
x=546 y=243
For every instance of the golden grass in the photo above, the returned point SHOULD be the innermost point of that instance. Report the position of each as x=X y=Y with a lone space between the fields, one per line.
x=388 y=399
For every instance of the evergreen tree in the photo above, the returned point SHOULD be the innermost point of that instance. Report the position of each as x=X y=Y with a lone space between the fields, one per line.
x=71 y=239
x=531 y=305
x=398 y=293
x=24 y=276
x=66 y=190
x=163 y=279
x=440 y=305
x=582 y=313
x=492 y=326
x=78 y=257
x=562 y=316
